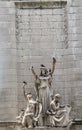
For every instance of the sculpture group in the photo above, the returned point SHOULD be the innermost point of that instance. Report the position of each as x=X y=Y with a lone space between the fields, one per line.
x=46 y=109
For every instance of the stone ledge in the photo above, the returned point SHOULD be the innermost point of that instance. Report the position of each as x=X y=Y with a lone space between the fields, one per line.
x=40 y=3
x=7 y=123
x=13 y=124
x=46 y=128
x=35 y=0
x=77 y=122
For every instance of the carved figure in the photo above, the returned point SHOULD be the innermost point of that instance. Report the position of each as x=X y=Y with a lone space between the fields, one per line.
x=59 y=115
x=30 y=115
x=43 y=87
x=44 y=110
x=20 y=117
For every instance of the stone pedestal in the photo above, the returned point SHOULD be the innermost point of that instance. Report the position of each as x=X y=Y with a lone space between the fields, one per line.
x=14 y=126
x=45 y=128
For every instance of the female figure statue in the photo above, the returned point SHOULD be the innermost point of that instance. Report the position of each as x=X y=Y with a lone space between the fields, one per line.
x=59 y=115
x=43 y=87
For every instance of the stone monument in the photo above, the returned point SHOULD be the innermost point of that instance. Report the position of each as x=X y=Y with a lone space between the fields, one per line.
x=46 y=109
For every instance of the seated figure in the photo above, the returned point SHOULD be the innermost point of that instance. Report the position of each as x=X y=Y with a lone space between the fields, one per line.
x=59 y=115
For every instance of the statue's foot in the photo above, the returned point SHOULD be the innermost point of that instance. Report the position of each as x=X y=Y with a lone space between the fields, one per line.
x=30 y=126
x=35 y=119
x=24 y=128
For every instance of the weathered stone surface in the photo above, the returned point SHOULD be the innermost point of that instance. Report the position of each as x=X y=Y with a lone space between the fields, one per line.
x=40 y=35
x=46 y=128
x=8 y=74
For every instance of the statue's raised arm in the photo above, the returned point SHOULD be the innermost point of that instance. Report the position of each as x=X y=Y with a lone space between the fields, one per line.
x=35 y=75
x=53 y=66
x=24 y=84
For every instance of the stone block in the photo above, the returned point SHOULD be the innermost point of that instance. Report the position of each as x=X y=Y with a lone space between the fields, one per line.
x=76 y=3
x=76 y=44
x=7 y=17
x=7 y=4
x=3 y=128
x=7 y=11
x=46 y=128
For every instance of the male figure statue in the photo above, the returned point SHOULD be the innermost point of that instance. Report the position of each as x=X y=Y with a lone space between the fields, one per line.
x=30 y=112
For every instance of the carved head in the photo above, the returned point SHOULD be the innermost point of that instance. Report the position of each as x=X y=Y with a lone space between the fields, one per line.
x=57 y=97
x=44 y=71
x=22 y=111
x=29 y=96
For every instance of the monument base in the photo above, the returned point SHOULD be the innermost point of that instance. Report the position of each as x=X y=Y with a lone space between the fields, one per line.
x=11 y=125
x=45 y=128
x=15 y=126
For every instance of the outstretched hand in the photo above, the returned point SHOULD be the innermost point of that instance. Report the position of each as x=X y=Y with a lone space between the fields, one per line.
x=24 y=82
x=31 y=68
x=54 y=60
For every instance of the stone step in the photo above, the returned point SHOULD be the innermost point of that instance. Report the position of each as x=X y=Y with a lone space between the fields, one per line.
x=46 y=128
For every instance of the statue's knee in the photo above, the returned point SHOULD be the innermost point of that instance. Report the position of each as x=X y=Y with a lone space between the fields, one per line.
x=23 y=124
